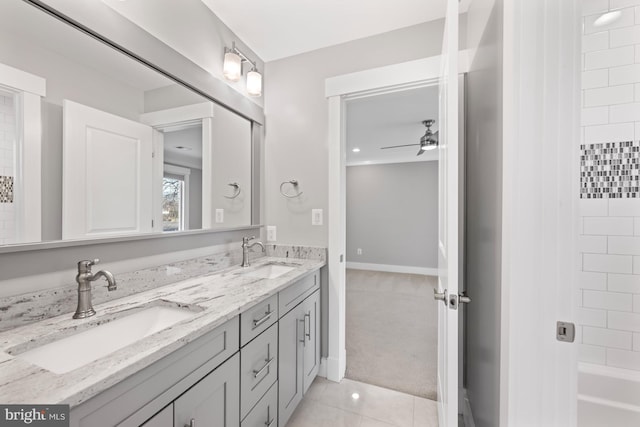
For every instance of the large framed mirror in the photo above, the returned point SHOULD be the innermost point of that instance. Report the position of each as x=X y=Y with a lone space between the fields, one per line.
x=94 y=144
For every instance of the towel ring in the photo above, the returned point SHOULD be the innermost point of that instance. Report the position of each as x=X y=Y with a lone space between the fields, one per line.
x=236 y=190
x=294 y=183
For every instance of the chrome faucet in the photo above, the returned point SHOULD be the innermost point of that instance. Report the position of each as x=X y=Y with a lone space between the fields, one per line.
x=84 y=279
x=245 y=249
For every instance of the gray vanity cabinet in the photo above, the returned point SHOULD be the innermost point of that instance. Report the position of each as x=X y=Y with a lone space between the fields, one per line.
x=212 y=402
x=299 y=349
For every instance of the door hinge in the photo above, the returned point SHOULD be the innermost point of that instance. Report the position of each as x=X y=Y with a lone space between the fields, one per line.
x=151 y=223
x=153 y=154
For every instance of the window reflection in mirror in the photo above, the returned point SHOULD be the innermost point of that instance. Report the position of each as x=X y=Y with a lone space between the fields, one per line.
x=112 y=126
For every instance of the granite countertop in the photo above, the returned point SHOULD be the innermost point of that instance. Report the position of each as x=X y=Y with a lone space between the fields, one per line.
x=219 y=296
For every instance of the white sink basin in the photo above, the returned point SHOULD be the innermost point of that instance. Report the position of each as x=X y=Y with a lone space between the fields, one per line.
x=71 y=352
x=269 y=271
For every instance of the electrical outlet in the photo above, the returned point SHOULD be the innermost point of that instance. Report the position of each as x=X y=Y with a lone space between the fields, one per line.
x=316 y=216
x=359 y=251
x=271 y=233
x=219 y=216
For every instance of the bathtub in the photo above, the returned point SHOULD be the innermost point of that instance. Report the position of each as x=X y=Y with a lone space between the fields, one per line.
x=608 y=397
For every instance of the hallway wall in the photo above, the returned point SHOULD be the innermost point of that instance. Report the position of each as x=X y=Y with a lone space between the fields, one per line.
x=609 y=277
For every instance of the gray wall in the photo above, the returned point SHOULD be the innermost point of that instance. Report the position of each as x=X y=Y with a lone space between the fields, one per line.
x=392 y=214
x=483 y=213
x=296 y=110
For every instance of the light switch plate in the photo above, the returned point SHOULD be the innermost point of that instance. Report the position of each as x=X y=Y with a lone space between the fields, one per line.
x=316 y=216
x=271 y=233
x=219 y=216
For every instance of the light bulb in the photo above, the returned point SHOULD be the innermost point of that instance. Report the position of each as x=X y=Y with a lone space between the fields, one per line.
x=232 y=67
x=254 y=83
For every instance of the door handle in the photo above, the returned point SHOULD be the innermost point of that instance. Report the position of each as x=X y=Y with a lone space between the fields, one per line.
x=304 y=323
x=440 y=296
x=307 y=334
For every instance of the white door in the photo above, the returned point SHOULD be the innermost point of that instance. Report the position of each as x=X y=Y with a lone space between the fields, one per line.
x=448 y=235
x=107 y=174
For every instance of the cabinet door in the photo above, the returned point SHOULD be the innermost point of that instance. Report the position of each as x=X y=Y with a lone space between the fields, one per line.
x=311 y=344
x=214 y=401
x=290 y=363
x=163 y=418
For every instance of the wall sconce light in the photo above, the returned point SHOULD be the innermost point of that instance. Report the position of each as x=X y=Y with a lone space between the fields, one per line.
x=232 y=70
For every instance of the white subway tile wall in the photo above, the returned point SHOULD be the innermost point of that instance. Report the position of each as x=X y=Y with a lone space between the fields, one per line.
x=7 y=140
x=608 y=316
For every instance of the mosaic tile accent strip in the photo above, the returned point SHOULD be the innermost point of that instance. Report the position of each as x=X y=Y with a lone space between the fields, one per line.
x=610 y=170
x=6 y=189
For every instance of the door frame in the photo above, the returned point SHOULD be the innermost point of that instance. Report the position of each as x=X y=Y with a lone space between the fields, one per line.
x=28 y=90
x=175 y=119
x=338 y=89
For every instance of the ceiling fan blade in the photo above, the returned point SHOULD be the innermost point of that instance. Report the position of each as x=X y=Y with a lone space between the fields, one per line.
x=397 y=146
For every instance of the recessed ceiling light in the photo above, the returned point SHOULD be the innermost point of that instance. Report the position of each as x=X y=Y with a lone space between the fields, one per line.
x=607 y=18
x=355 y=396
x=356 y=150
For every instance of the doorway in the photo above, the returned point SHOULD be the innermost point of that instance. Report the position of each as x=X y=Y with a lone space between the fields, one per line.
x=392 y=240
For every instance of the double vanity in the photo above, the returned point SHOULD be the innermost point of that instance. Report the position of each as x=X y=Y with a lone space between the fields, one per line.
x=238 y=347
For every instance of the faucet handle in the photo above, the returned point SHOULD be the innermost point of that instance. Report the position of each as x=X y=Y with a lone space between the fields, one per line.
x=84 y=266
x=246 y=239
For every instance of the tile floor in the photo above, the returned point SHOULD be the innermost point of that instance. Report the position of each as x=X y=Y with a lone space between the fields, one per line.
x=329 y=404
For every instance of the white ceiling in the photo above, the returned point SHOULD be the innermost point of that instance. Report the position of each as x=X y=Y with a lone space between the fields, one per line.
x=279 y=28
x=390 y=119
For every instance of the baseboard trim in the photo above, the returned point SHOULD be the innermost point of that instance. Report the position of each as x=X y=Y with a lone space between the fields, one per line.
x=322 y=371
x=426 y=271
x=467 y=415
x=334 y=369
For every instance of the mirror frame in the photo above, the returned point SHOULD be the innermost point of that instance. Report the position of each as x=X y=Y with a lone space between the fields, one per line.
x=97 y=20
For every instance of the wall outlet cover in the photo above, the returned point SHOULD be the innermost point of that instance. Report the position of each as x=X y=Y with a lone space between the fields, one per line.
x=359 y=251
x=219 y=216
x=316 y=216
x=271 y=233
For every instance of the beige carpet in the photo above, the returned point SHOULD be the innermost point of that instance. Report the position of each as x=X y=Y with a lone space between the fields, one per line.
x=392 y=331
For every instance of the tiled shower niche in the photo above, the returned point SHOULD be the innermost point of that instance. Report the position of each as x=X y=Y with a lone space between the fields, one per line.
x=610 y=170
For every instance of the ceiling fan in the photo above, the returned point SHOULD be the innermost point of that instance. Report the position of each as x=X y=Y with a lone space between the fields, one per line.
x=428 y=141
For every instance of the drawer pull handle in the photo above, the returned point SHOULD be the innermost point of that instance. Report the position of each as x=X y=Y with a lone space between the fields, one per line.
x=263 y=319
x=256 y=374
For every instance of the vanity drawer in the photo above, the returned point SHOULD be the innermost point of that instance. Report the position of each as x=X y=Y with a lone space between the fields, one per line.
x=265 y=413
x=258 y=368
x=294 y=294
x=257 y=319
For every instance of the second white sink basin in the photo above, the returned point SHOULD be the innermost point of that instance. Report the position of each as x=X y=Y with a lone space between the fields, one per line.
x=71 y=352
x=269 y=271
